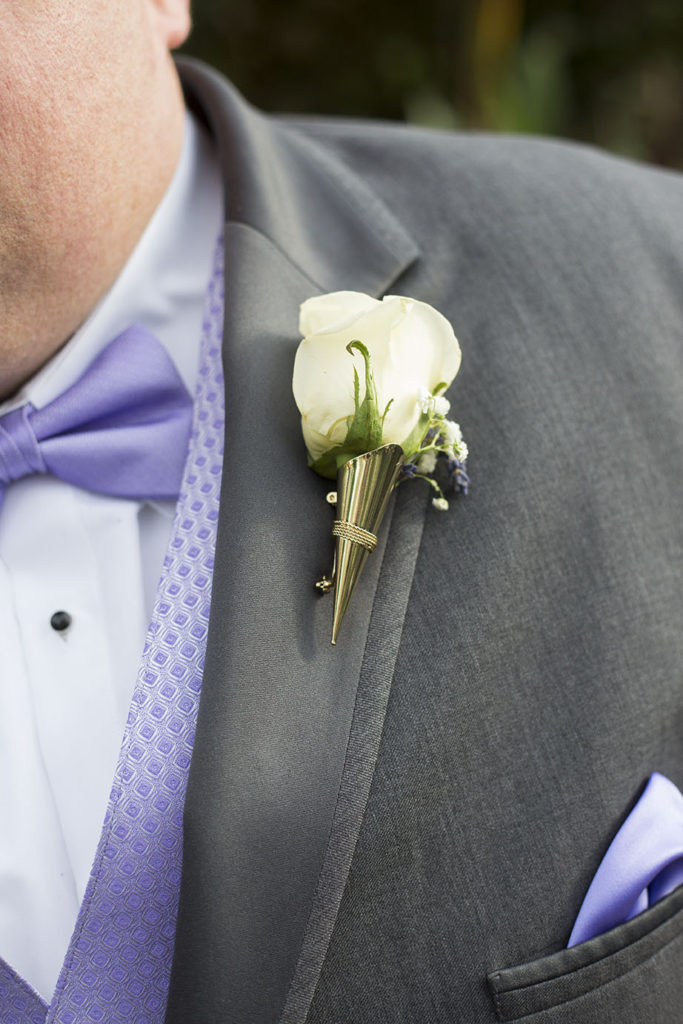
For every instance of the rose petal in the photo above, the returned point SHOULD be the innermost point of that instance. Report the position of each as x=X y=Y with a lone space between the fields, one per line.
x=323 y=369
x=412 y=349
x=330 y=312
x=423 y=352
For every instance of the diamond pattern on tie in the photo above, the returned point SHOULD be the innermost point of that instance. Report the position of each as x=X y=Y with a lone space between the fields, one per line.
x=19 y=1004
x=119 y=961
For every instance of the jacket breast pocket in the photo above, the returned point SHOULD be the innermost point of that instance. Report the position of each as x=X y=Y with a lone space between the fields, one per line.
x=630 y=975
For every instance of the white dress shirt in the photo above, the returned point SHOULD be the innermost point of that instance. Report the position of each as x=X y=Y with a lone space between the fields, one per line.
x=64 y=696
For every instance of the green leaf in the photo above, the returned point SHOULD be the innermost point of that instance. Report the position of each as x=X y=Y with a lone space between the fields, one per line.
x=384 y=414
x=365 y=426
x=327 y=464
x=413 y=442
x=365 y=432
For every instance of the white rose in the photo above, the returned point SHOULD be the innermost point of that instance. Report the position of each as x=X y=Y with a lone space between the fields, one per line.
x=412 y=350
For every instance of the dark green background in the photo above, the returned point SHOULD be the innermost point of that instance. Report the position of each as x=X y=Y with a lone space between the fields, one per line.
x=608 y=71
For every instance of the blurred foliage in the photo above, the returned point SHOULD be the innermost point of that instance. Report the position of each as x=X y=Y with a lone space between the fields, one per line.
x=601 y=71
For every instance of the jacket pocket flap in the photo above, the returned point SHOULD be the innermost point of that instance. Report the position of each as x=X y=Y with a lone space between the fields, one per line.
x=563 y=976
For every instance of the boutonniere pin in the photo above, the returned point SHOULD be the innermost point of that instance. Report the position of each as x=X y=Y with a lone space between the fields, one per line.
x=369 y=378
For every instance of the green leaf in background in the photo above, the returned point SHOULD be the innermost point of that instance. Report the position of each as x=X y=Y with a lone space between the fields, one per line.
x=609 y=73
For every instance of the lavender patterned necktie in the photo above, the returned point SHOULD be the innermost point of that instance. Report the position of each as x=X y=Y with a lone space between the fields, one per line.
x=121 y=429
x=118 y=964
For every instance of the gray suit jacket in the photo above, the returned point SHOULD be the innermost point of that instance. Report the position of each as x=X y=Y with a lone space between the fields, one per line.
x=402 y=828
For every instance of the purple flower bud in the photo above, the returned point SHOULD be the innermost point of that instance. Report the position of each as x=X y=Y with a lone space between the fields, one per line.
x=458 y=477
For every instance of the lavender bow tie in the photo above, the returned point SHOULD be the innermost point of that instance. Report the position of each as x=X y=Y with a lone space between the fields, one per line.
x=121 y=429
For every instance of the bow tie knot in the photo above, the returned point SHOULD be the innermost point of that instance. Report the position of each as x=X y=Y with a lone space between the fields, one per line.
x=20 y=454
x=121 y=429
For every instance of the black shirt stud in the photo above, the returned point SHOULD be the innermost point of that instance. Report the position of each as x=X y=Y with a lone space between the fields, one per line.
x=60 y=621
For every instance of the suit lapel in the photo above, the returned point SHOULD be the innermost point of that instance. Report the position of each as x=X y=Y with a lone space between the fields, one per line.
x=289 y=726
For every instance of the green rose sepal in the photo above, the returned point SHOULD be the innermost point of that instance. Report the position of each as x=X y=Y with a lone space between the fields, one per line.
x=364 y=426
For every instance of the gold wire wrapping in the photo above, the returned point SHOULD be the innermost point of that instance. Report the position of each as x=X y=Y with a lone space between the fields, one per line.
x=348 y=531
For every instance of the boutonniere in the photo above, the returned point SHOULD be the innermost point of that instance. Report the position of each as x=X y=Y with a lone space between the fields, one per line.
x=369 y=382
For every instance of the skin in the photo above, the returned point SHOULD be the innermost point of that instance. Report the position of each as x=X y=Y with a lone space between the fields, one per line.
x=91 y=124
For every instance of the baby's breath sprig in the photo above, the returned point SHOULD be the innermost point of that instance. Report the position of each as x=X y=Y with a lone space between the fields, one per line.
x=441 y=437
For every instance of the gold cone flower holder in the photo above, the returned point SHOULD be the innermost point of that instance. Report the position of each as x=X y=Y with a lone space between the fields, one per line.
x=364 y=486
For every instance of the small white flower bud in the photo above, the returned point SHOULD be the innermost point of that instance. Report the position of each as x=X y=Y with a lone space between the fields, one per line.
x=452 y=433
x=425 y=400
x=440 y=503
x=441 y=406
x=427 y=463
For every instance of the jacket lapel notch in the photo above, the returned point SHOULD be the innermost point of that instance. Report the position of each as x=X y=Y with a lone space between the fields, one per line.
x=320 y=214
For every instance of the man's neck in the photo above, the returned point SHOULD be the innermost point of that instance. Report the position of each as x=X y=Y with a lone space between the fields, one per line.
x=61 y=256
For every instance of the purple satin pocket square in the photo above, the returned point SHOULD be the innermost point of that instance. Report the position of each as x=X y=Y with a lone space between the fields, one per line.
x=643 y=863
